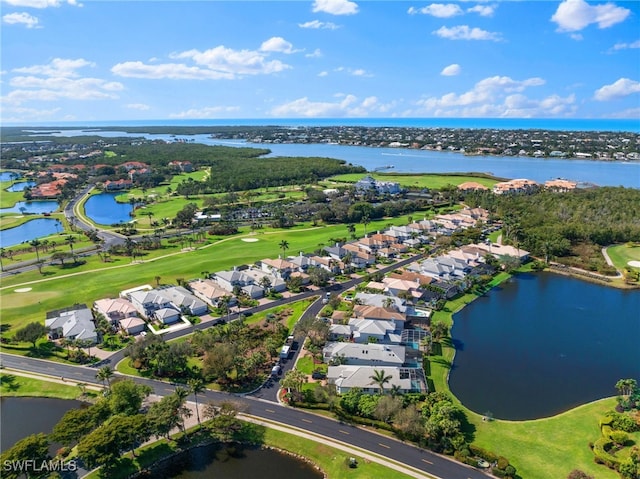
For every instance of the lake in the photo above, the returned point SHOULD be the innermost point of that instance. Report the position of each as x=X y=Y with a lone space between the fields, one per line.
x=21 y=186
x=210 y=461
x=23 y=416
x=33 y=207
x=9 y=175
x=543 y=343
x=29 y=230
x=105 y=210
x=602 y=173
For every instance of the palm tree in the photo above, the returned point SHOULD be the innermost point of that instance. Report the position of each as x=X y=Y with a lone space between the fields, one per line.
x=157 y=278
x=2 y=253
x=181 y=395
x=150 y=215
x=351 y=228
x=196 y=386
x=105 y=373
x=70 y=240
x=365 y=221
x=36 y=243
x=380 y=378
x=284 y=246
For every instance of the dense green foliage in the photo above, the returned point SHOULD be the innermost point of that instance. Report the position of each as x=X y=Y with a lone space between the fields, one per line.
x=549 y=224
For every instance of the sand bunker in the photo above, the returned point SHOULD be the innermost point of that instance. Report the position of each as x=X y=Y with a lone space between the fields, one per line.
x=634 y=264
x=249 y=240
x=22 y=290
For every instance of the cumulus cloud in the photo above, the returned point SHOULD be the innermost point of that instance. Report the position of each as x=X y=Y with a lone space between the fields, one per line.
x=317 y=53
x=344 y=106
x=318 y=25
x=206 y=112
x=213 y=64
x=483 y=10
x=574 y=15
x=619 y=89
x=464 y=32
x=356 y=72
x=440 y=10
x=22 y=18
x=623 y=46
x=56 y=80
x=323 y=74
x=497 y=96
x=335 y=7
x=451 y=70
x=277 y=44
x=41 y=3
x=138 y=106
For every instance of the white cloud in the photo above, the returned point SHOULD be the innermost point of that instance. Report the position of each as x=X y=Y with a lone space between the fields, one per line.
x=574 y=15
x=58 y=67
x=576 y=36
x=233 y=62
x=451 y=70
x=630 y=113
x=344 y=106
x=356 y=72
x=206 y=112
x=335 y=7
x=22 y=18
x=496 y=96
x=138 y=106
x=172 y=71
x=40 y=3
x=483 y=10
x=440 y=10
x=56 y=80
x=317 y=53
x=619 y=89
x=464 y=32
x=622 y=46
x=318 y=25
x=277 y=44
x=323 y=74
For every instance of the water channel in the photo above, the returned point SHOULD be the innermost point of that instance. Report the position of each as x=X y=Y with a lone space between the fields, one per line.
x=543 y=343
x=602 y=173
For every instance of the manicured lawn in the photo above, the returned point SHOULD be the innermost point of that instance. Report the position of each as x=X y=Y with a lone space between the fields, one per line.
x=97 y=280
x=9 y=198
x=14 y=385
x=622 y=254
x=422 y=180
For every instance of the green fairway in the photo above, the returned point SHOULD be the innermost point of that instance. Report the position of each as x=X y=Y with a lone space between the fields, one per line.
x=421 y=180
x=97 y=280
x=621 y=255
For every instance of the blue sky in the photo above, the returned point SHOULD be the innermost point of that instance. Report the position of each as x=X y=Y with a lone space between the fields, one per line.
x=74 y=60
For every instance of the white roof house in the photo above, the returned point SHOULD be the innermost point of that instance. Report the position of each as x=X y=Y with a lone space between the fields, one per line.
x=181 y=298
x=347 y=377
x=365 y=354
x=72 y=324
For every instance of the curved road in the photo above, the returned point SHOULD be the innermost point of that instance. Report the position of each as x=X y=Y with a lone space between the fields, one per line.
x=409 y=455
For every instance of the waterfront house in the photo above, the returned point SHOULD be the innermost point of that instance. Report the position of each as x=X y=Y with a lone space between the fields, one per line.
x=345 y=378
x=364 y=354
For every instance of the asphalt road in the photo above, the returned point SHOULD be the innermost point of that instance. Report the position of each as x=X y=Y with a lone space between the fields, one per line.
x=355 y=436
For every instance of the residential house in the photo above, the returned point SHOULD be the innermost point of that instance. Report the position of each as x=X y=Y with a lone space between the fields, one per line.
x=167 y=315
x=114 y=310
x=132 y=325
x=75 y=322
x=364 y=354
x=148 y=302
x=363 y=331
x=345 y=378
x=183 y=300
x=210 y=292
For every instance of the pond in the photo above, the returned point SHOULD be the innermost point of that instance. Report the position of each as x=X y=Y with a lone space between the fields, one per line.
x=212 y=461
x=29 y=230
x=23 y=416
x=542 y=344
x=105 y=210
x=21 y=186
x=32 y=207
x=9 y=175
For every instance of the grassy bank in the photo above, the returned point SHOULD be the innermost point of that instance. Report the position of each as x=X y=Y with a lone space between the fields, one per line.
x=621 y=255
x=14 y=385
x=419 y=180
